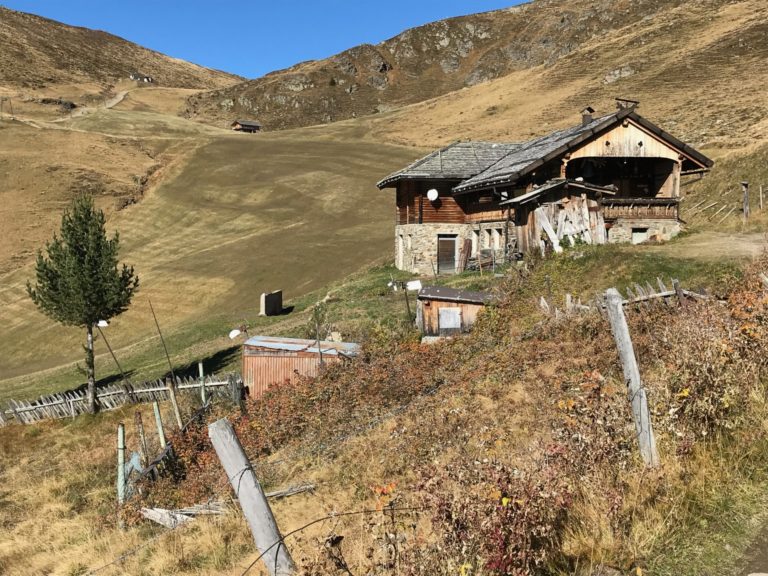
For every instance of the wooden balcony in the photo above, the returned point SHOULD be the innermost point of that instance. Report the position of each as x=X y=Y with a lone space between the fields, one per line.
x=639 y=208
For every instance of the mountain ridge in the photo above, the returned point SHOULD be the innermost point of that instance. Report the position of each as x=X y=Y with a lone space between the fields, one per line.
x=39 y=51
x=420 y=63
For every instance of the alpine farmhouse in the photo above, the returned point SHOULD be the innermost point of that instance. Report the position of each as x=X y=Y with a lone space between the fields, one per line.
x=615 y=178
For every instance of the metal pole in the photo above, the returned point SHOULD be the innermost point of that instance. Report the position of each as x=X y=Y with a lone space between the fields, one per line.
x=125 y=380
x=163 y=341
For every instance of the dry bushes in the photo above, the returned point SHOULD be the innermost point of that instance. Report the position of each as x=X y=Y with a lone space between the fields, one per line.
x=520 y=448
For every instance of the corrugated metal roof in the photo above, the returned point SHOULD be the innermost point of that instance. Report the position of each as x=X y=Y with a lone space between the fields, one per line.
x=454 y=295
x=303 y=345
x=458 y=161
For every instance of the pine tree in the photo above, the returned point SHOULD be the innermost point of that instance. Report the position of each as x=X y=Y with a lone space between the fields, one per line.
x=79 y=282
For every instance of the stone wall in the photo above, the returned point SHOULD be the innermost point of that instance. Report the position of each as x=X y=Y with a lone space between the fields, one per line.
x=416 y=244
x=659 y=229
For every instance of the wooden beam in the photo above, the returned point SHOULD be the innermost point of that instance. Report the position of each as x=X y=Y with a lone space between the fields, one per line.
x=252 y=500
x=637 y=397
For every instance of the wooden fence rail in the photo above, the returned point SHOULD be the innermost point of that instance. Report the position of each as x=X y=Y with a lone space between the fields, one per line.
x=73 y=402
x=637 y=294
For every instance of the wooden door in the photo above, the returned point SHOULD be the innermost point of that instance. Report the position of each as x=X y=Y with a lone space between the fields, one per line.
x=446 y=254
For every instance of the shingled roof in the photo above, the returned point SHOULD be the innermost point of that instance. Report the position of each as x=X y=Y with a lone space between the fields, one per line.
x=526 y=158
x=458 y=161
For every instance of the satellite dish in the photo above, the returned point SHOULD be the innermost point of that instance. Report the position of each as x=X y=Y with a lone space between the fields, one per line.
x=432 y=195
x=234 y=334
x=102 y=324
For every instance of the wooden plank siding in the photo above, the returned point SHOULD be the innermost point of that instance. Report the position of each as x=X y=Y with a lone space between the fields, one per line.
x=413 y=207
x=430 y=313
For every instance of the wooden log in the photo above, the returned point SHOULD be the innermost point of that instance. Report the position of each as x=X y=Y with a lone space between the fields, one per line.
x=637 y=396
x=168 y=518
x=276 y=495
x=252 y=500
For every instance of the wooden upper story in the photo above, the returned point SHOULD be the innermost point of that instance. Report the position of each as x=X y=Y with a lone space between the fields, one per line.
x=623 y=152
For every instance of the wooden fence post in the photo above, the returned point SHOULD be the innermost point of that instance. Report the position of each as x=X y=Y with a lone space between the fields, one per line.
x=159 y=422
x=203 y=395
x=171 y=383
x=143 y=451
x=120 y=472
x=638 y=400
x=745 y=190
x=252 y=500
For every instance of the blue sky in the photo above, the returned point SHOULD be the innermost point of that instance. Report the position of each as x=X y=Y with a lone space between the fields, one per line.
x=251 y=38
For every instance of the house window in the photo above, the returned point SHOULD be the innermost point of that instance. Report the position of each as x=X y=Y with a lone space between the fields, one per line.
x=488 y=241
x=475 y=242
x=409 y=244
x=399 y=255
x=497 y=239
x=639 y=235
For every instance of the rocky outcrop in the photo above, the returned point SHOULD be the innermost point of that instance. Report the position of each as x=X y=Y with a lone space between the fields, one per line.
x=423 y=63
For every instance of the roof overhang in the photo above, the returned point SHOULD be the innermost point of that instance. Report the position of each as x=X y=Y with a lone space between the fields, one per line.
x=555 y=184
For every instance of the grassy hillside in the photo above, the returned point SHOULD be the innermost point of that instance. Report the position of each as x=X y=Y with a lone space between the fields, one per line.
x=229 y=216
x=38 y=52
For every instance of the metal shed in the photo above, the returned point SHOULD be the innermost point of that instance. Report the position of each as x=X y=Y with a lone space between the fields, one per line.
x=269 y=360
x=442 y=311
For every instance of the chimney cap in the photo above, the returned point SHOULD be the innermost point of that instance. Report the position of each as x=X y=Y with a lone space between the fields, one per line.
x=588 y=110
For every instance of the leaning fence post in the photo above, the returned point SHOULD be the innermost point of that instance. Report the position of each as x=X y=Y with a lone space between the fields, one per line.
x=159 y=422
x=202 y=382
x=143 y=451
x=252 y=500
x=120 y=471
x=637 y=396
x=171 y=383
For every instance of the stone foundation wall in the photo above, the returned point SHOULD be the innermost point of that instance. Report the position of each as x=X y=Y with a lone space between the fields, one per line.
x=661 y=229
x=416 y=244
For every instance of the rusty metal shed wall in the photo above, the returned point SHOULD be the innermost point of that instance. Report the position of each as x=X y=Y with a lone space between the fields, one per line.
x=265 y=368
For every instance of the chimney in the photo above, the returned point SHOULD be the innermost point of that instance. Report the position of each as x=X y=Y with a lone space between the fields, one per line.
x=586 y=115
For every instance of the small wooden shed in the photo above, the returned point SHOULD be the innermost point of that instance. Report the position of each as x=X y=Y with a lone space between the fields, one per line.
x=442 y=311
x=270 y=360
x=246 y=126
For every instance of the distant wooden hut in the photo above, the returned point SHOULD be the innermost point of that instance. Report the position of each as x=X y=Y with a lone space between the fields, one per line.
x=442 y=311
x=246 y=126
x=270 y=360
